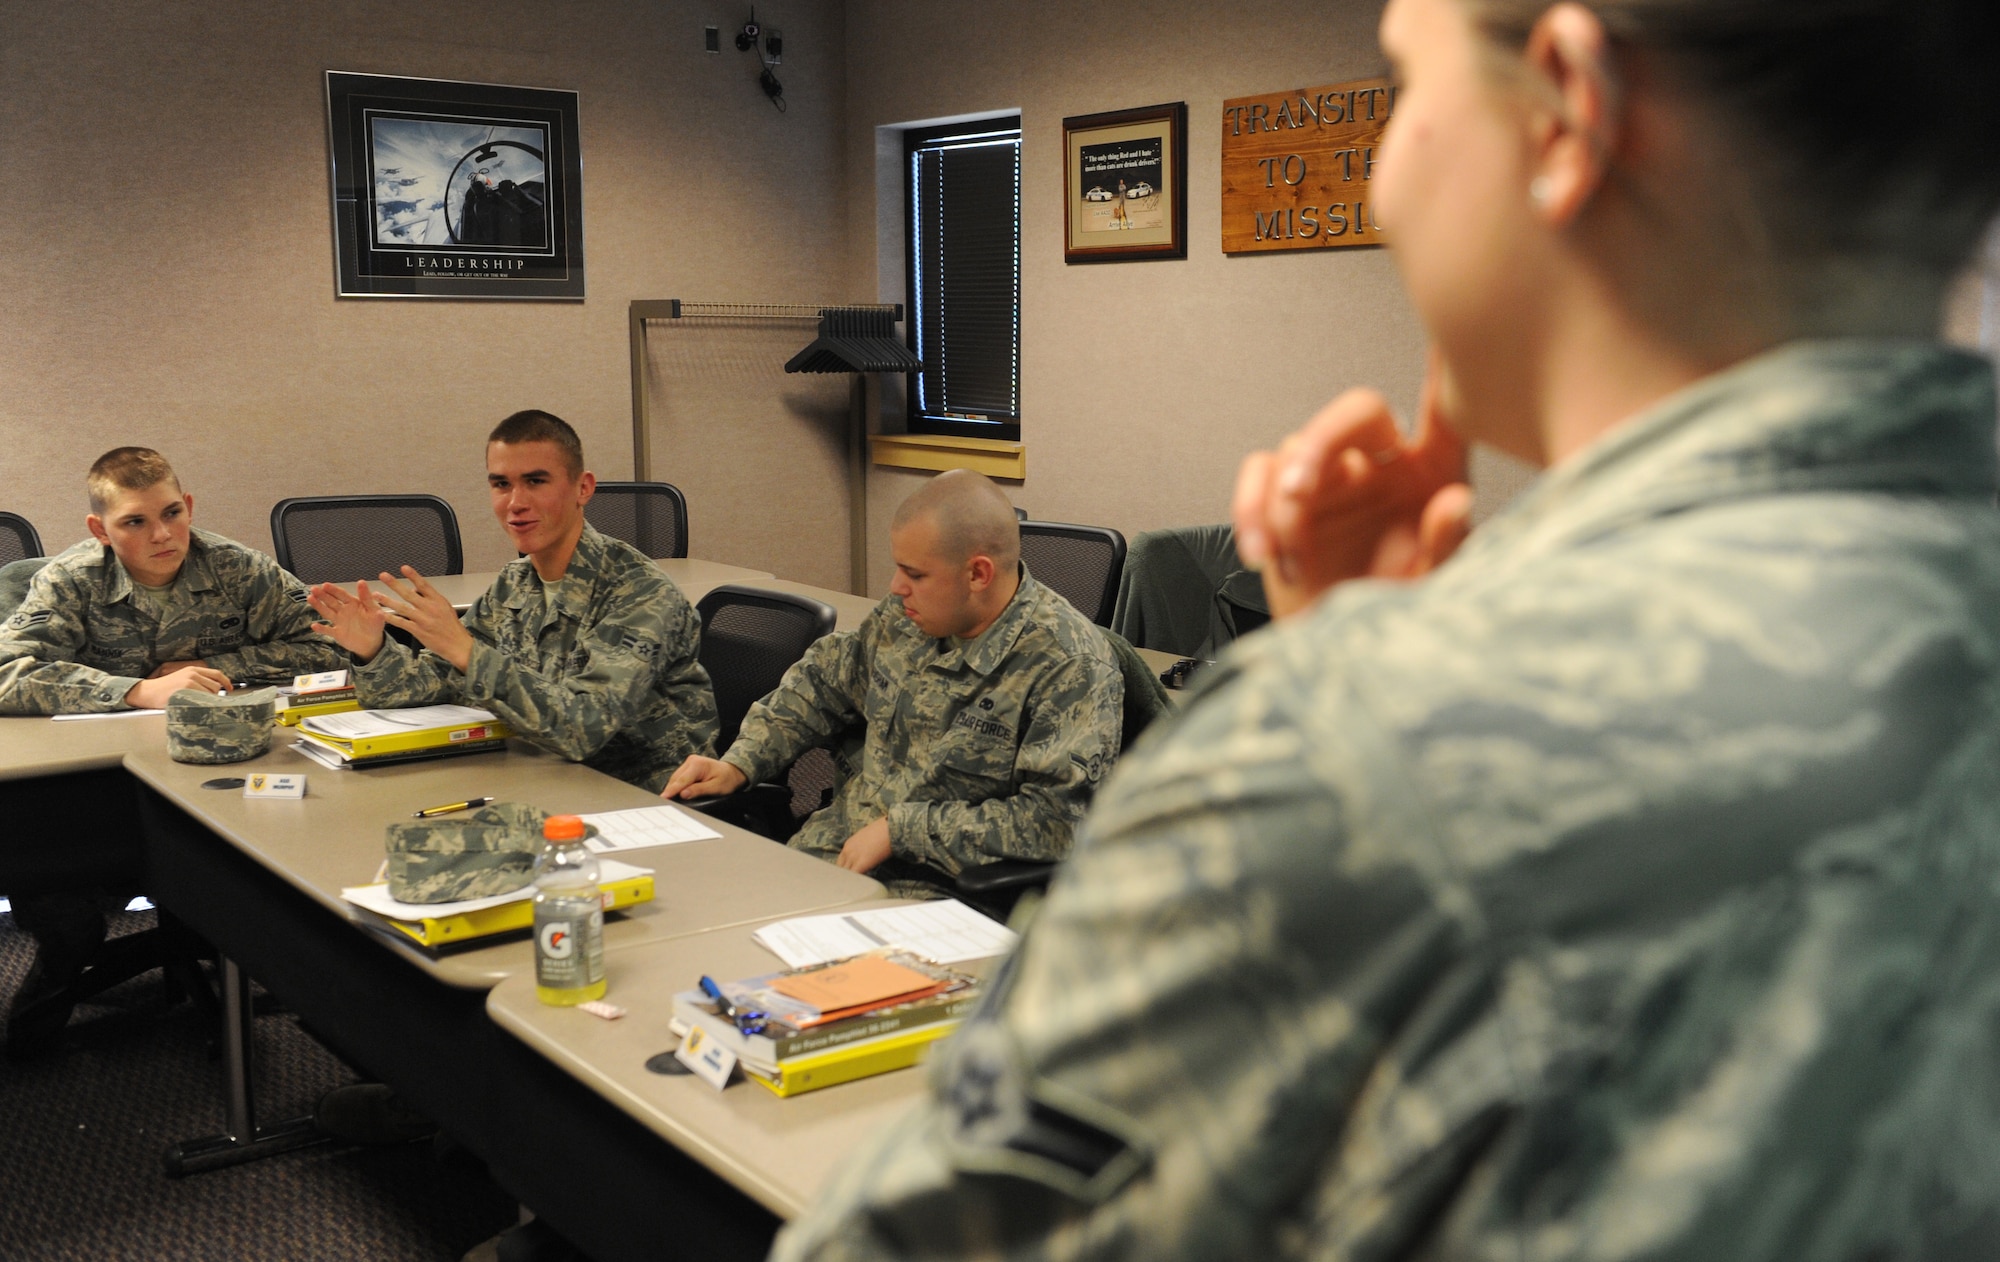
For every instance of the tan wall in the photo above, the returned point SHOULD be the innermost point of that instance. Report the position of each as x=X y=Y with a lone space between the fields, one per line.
x=166 y=265
x=1201 y=360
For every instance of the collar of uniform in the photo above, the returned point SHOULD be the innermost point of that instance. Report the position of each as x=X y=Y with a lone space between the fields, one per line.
x=1846 y=414
x=573 y=590
x=985 y=654
x=116 y=585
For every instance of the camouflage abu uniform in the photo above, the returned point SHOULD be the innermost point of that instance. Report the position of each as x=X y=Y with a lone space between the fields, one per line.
x=79 y=642
x=1625 y=891
x=607 y=678
x=974 y=751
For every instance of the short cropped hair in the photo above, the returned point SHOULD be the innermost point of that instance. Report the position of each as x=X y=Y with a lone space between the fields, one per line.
x=972 y=515
x=1915 y=182
x=533 y=426
x=126 y=469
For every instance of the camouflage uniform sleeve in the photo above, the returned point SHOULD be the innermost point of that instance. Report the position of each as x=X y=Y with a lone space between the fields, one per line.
x=396 y=676
x=280 y=642
x=39 y=644
x=1074 y=724
x=1164 y=1067
x=819 y=697
x=649 y=630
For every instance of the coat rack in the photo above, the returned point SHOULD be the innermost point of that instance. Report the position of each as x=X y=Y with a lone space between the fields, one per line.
x=853 y=338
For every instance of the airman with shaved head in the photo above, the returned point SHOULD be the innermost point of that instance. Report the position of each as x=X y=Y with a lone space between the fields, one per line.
x=989 y=706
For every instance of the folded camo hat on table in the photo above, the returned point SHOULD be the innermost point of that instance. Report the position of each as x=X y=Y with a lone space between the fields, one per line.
x=476 y=855
x=203 y=727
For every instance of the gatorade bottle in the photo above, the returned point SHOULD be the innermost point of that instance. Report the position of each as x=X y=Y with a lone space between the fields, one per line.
x=569 y=916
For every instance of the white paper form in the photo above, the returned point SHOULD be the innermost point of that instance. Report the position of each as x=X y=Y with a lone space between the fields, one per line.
x=105 y=714
x=356 y=724
x=944 y=932
x=646 y=826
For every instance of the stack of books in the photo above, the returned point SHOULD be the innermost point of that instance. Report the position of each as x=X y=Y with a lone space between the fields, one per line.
x=375 y=738
x=330 y=692
x=814 y=1027
x=443 y=927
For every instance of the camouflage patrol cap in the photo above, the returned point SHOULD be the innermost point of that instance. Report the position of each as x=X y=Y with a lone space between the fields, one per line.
x=203 y=727
x=489 y=851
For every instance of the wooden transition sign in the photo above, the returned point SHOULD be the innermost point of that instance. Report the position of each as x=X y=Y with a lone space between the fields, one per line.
x=1296 y=166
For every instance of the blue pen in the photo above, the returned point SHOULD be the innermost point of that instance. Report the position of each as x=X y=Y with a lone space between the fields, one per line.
x=713 y=991
x=746 y=1022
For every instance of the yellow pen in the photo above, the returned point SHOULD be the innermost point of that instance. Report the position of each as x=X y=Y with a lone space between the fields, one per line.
x=449 y=807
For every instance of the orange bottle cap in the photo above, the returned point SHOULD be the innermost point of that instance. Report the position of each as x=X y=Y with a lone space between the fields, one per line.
x=563 y=828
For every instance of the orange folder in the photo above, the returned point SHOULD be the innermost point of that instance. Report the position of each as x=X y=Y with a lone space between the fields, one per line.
x=856 y=986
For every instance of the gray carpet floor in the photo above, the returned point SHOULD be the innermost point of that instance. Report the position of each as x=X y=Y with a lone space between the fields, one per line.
x=82 y=1133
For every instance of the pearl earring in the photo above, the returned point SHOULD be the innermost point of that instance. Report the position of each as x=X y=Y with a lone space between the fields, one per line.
x=1540 y=190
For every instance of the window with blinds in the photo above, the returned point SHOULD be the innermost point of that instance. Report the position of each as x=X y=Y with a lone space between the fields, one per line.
x=965 y=277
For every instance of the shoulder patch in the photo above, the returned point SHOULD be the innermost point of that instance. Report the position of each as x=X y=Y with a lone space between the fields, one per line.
x=640 y=647
x=23 y=620
x=996 y=1122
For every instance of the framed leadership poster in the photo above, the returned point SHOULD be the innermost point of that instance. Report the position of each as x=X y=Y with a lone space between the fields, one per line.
x=1125 y=185
x=454 y=190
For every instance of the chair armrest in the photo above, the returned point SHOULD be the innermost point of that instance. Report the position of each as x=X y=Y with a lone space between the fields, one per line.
x=707 y=805
x=1006 y=874
x=764 y=809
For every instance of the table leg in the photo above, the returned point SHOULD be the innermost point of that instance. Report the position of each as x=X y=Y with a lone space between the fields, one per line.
x=244 y=1140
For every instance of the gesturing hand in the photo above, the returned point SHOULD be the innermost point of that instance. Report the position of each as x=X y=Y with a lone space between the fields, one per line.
x=1348 y=497
x=353 y=620
x=152 y=694
x=700 y=777
x=417 y=607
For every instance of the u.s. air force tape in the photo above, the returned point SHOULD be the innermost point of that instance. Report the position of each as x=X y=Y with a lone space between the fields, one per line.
x=205 y=728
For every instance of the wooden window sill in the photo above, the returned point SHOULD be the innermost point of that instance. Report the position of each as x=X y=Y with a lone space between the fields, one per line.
x=991 y=456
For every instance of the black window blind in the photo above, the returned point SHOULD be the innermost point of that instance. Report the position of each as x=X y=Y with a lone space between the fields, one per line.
x=965 y=278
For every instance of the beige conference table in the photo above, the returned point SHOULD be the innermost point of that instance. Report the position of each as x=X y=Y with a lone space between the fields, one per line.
x=65 y=779
x=32 y=745
x=777 y=1151
x=263 y=886
x=333 y=838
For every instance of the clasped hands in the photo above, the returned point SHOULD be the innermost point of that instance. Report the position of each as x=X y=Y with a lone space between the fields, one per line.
x=701 y=777
x=357 y=620
x=1348 y=496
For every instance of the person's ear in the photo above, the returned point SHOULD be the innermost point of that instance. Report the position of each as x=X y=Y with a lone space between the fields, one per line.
x=96 y=527
x=586 y=486
x=1569 y=55
x=187 y=503
x=980 y=571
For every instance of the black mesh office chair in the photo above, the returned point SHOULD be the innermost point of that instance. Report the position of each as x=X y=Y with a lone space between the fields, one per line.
x=651 y=516
x=340 y=538
x=1082 y=563
x=18 y=540
x=749 y=639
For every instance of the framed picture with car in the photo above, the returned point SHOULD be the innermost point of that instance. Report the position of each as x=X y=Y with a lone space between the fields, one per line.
x=1125 y=185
